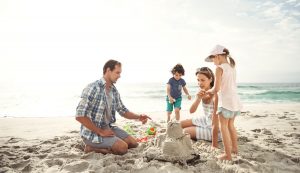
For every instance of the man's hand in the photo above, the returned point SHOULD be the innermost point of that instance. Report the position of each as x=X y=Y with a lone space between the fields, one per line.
x=144 y=118
x=105 y=132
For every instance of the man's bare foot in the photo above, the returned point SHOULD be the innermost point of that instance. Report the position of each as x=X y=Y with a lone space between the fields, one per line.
x=88 y=149
x=224 y=157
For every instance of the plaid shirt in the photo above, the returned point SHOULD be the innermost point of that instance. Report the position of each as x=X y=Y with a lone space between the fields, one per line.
x=93 y=105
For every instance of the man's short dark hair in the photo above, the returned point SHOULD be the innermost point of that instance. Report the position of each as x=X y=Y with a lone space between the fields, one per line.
x=111 y=64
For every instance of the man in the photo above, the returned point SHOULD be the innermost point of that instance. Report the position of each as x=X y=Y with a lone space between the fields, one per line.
x=96 y=112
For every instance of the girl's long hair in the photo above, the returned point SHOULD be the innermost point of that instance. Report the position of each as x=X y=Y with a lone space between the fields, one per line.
x=231 y=60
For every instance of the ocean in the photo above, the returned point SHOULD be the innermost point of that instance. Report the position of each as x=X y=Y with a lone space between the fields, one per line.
x=144 y=97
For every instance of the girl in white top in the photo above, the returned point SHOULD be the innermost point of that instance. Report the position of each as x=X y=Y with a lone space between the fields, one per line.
x=229 y=104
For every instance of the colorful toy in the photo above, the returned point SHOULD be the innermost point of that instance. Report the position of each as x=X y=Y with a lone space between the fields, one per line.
x=151 y=131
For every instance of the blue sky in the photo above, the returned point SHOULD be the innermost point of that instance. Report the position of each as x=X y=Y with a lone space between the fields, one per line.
x=55 y=43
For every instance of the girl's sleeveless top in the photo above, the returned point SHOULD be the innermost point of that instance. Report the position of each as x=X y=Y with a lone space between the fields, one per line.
x=228 y=96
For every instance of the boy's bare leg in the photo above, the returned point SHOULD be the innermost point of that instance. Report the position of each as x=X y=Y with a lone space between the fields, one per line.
x=177 y=114
x=168 y=116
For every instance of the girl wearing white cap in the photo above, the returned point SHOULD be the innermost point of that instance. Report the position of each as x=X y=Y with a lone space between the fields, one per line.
x=229 y=104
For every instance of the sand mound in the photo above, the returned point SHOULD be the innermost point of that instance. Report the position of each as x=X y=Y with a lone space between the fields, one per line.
x=173 y=146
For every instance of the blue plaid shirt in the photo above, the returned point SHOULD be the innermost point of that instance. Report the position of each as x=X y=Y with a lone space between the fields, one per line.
x=93 y=105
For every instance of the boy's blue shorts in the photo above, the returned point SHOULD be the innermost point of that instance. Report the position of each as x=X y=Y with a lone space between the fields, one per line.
x=176 y=104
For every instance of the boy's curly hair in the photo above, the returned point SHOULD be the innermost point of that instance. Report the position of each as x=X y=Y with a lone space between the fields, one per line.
x=178 y=68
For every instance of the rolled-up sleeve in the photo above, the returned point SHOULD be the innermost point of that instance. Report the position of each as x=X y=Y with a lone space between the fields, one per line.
x=84 y=108
x=121 y=109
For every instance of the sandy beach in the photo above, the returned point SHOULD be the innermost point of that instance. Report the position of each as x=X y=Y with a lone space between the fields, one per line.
x=269 y=141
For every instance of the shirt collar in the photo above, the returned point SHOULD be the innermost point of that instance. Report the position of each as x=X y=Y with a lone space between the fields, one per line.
x=103 y=83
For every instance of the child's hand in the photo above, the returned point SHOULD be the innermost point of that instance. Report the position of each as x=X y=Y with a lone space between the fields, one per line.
x=210 y=91
x=199 y=94
x=189 y=97
x=171 y=100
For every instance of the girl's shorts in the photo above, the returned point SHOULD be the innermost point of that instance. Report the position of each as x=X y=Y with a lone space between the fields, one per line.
x=227 y=113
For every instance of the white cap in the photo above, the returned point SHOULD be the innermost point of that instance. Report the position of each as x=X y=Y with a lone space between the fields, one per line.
x=218 y=49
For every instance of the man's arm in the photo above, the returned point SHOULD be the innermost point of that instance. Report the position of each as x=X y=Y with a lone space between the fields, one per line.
x=130 y=115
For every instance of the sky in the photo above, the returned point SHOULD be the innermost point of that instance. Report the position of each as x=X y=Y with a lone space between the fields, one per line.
x=66 y=42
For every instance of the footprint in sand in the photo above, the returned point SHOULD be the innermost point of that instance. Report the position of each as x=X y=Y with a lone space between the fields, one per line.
x=32 y=149
x=294 y=135
x=21 y=164
x=27 y=168
x=42 y=156
x=266 y=131
x=51 y=162
x=243 y=139
x=273 y=140
x=294 y=123
x=49 y=142
x=77 y=166
x=13 y=140
x=256 y=130
x=79 y=145
x=7 y=153
x=282 y=117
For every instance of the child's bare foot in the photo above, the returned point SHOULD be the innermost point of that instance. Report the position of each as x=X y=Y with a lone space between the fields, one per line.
x=213 y=148
x=224 y=157
x=234 y=152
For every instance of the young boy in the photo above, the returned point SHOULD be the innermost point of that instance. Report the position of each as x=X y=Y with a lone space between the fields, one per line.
x=174 y=87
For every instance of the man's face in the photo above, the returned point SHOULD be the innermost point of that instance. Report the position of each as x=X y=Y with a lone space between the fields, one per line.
x=115 y=74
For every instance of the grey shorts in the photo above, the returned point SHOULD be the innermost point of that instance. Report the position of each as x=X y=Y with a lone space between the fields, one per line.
x=108 y=142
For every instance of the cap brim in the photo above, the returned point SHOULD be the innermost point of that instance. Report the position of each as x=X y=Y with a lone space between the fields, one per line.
x=208 y=59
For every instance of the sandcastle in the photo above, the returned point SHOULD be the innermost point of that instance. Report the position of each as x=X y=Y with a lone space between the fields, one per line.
x=174 y=146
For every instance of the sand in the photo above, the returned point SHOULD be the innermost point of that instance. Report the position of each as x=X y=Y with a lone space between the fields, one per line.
x=269 y=141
